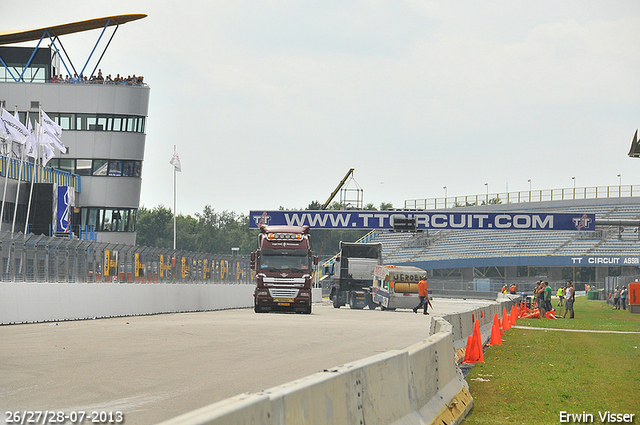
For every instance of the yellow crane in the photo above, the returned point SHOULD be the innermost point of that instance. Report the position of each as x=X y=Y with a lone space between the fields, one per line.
x=333 y=194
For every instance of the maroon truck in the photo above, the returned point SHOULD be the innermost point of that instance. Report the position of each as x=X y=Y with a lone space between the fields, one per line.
x=283 y=264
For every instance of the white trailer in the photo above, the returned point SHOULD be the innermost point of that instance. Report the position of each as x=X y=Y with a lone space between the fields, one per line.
x=396 y=286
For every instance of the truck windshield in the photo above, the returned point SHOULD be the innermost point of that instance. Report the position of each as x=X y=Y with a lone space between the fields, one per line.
x=294 y=263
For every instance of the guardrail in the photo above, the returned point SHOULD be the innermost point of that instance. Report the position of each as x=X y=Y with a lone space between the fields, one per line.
x=620 y=191
x=39 y=258
x=421 y=384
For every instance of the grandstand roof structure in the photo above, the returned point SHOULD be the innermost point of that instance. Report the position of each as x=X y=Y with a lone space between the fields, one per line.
x=19 y=36
x=609 y=245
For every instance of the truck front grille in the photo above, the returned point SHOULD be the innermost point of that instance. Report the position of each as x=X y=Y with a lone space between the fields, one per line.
x=283 y=292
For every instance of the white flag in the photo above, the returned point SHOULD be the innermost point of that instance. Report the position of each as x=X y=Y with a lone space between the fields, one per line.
x=4 y=135
x=54 y=140
x=31 y=149
x=175 y=161
x=53 y=131
x=51 y=125
x=47 y=153
x=14 y=127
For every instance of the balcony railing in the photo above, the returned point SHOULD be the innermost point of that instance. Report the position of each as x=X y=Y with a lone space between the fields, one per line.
x=11 y=168
x=620 y=191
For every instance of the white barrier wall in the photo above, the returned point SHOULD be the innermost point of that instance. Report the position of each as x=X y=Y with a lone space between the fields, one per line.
x=47 y=302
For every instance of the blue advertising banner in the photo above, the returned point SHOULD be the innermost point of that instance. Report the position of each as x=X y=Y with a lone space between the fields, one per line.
x=424 y=220
x=523 y=260
x=66 y=198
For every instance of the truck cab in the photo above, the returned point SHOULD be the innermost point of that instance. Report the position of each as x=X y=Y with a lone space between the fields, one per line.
x=283 y=264
x=351 y=274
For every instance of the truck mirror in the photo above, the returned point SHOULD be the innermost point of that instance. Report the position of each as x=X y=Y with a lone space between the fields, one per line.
x=252 y=263
x=315 y=260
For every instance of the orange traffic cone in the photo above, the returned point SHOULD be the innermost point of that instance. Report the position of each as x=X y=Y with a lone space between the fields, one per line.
x=533 y=315
x=495 y=332
x=512 y=316
x=476 y=330
x=505 y=320
x=550 y=314
x=473 y=353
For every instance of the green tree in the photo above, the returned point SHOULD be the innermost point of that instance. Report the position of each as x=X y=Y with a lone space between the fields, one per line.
x=385 y=206
x=155 y=227
x=315 y=205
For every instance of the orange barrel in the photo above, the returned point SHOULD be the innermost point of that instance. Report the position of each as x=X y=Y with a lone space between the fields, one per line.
x=633 y=297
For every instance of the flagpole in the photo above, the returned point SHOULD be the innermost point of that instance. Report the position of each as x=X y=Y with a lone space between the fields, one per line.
x=6 y=178
x=15 y=209
x=34 y=174
x=4 y=193
x=174 y=203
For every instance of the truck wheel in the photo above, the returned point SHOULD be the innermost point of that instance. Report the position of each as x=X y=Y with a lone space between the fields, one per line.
x=258 y=309
x=307 y=310
x=372 y=306
x=336 y=303
x=353 y=302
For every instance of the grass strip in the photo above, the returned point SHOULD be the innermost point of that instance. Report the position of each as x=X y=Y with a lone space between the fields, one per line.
x=536 y=374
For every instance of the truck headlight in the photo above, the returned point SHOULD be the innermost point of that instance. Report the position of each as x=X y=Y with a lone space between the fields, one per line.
x=304 y=293
x=263 y=293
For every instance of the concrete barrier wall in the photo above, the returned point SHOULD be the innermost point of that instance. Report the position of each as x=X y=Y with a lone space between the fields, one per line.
x=462 y=323
x=50 y=302
x=46 y=302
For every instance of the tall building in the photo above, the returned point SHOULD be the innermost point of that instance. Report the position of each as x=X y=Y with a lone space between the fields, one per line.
x=103 y=122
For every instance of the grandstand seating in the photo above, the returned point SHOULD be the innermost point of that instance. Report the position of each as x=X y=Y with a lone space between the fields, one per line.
x=466 y=243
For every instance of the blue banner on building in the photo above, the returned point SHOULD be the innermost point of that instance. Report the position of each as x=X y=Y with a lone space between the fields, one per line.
x=424 y=220
x=66 y=201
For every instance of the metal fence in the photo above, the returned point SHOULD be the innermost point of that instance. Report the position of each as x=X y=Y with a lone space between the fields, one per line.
x=39 y=258
x=594 y=192
x=494 y=285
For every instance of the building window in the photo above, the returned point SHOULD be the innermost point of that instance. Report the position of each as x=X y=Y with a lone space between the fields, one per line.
x=67 y=165
x=95 y=122
x=115 y=168
x=83 y=167
x=109 y=219
x=100 y=167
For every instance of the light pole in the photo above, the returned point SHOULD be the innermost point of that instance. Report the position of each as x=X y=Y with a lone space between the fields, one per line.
x=445 y=196
x=620 y=185
x=574 y=186
x=529 y=189
x=487 y=184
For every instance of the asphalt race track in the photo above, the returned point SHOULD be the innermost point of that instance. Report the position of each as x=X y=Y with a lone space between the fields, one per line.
x=152 y=368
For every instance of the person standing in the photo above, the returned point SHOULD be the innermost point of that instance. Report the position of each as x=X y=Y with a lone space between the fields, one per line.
x=560 y=296
x=623 y=297
x=569 y=298
x=423 y=294
x=547 y=297
x=540 y=298
x=616 y=298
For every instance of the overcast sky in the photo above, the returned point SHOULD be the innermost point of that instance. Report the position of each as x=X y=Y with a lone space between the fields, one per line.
x=271 y=102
